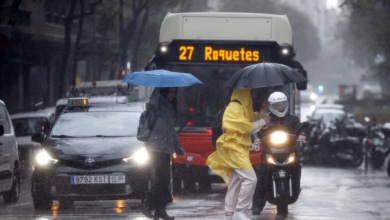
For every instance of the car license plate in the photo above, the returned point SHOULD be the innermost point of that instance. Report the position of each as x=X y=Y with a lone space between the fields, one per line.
x=98 y=179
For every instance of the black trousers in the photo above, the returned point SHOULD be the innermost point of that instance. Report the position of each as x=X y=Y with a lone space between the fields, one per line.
x=160 y=193
x=259 y=196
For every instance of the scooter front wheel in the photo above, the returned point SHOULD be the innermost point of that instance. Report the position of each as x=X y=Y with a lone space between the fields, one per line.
x=282 y=210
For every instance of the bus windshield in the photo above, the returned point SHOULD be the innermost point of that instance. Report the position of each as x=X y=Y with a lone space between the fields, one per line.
x=197 y=105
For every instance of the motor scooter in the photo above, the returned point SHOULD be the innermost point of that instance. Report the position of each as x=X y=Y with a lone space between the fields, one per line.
x=332 y=144
x=282 y=160
x=375 y=146
x=312 y=152
x=386 y=132
x=345 y=149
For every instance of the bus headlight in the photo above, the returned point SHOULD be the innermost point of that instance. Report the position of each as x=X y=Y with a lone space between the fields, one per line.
x=140 y=157
x=278 y=137
x=43 y=158
x=285 y=51
x=163 y=48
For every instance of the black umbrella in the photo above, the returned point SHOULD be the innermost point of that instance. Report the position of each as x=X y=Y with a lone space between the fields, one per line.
x=261 y=75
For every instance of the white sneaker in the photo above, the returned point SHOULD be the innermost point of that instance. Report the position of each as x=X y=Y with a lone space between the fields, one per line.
x=240 y=215
x=228 y=217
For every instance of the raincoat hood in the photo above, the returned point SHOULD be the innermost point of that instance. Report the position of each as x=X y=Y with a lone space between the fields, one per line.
x=244 y=97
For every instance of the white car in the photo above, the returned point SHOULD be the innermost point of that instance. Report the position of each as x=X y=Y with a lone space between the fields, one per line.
x=328 y=115
x=9 y=158
x=28 y=123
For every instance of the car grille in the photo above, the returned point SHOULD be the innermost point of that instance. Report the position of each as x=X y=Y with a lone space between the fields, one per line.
x=80 y=164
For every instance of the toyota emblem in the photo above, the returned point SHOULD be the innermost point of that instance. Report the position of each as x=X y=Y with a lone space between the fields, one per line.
x=190 y=158
x=89 y=162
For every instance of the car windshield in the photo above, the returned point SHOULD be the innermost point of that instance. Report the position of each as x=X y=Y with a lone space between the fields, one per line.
x=28 y=126
x=327 y=116
x=92 y=124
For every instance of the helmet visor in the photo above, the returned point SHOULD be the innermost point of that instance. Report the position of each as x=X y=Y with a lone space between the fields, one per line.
x=279 y=106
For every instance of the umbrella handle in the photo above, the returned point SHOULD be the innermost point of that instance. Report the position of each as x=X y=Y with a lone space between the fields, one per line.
x=181 y=128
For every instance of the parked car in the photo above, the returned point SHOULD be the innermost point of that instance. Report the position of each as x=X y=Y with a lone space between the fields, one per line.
x=91 y=153
x=9 y=158
x=330 y=106
x=328 y=112
x=28 y=123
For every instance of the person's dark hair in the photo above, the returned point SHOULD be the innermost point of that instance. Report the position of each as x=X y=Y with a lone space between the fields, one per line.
x=164 y=92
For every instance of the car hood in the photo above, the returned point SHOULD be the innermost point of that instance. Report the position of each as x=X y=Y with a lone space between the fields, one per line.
x=107 y=147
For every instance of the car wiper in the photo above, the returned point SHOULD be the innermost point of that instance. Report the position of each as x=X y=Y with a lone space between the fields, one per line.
x=63 y=136
x=100 y=135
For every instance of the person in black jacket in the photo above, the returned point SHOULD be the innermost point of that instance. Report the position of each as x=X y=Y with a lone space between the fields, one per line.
x=280 y=119
x=162 y=143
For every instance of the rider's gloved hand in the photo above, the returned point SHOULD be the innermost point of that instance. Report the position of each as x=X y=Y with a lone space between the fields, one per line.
x=257 y=125
x=302 y=138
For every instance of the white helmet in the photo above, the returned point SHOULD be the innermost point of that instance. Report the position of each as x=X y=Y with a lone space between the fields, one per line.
x=278 y=104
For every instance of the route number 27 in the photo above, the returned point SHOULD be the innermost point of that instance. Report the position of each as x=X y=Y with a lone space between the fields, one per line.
x=186 y=52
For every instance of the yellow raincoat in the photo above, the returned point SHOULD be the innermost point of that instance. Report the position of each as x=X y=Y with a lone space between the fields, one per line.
x=233 y=146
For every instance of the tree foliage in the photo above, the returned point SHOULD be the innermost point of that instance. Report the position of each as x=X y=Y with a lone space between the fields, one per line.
x=126 y=31
x=307 y=43
x=366 y=35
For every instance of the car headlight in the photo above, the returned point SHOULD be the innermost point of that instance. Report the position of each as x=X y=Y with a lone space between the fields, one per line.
x=290 y=159
x=313 y=96
x=140 y=157
x=278 y=137
x=43 y=158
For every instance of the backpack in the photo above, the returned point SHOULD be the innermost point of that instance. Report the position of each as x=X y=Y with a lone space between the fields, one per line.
x=146 y=123
x=216 y=126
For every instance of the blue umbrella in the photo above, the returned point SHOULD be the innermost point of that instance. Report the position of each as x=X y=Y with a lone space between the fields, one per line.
x=161 y=78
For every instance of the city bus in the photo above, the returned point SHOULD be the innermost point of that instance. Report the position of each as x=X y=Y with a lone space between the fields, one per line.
x=212 y=46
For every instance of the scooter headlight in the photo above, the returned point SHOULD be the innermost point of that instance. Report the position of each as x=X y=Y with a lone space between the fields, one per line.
x=271 y=160
x=278 y=137
x=140 y=157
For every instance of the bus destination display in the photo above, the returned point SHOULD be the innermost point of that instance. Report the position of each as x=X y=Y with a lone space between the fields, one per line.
x=193 y=52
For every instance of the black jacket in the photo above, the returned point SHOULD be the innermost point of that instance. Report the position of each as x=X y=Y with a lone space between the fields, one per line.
x=289 y=123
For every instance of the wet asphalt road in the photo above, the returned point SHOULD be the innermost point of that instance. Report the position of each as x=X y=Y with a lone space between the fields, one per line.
x=327 y=193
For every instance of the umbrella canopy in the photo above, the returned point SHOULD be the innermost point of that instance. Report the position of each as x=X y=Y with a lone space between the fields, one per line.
x=261 y=75
x=161 y=78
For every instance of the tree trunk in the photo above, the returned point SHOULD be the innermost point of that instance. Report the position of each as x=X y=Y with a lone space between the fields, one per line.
x=62 y=77
x=77 y=43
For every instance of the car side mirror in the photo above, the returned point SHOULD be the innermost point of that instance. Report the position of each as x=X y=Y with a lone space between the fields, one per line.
x=1 y=130
x=38 y=137
x=46 y=127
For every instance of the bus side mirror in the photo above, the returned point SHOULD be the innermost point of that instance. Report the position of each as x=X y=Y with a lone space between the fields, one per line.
x=299 y=67
x=303 y=85
x=1 y=130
